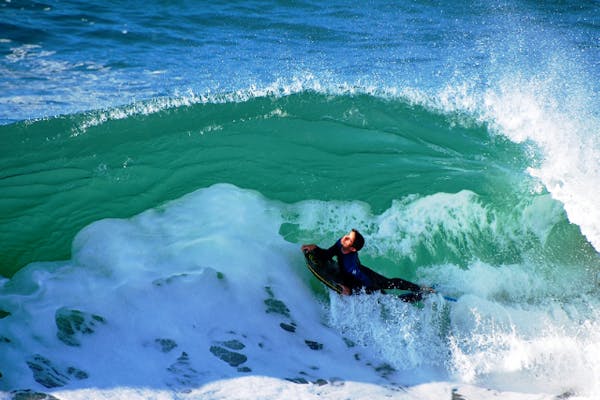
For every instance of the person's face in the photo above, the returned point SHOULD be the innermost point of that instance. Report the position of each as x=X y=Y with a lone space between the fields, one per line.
x=348 y=240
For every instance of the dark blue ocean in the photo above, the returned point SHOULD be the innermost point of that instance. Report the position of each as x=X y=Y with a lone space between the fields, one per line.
x=66 y=57
x=162 y=163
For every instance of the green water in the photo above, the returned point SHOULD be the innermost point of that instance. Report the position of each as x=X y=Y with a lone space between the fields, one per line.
x=60 y=174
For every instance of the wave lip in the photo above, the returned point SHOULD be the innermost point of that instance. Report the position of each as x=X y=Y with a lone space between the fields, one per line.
x=565 y=129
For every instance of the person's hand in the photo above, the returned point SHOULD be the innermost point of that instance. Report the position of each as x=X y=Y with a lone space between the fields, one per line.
x=308 y=247
x=346 y=290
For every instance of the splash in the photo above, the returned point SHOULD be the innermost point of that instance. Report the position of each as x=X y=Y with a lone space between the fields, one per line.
x=208 y=288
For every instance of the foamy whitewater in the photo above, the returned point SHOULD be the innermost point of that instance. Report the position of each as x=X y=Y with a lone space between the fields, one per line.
x=204 y=298
x=161 y=165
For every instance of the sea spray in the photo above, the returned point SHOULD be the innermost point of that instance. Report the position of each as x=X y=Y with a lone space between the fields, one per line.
x=201 y=289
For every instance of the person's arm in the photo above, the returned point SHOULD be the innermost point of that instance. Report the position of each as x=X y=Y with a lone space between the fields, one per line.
x=330 y=252
x=326 y=254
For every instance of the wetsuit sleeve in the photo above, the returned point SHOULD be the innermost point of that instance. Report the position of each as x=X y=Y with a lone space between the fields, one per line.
x=327 y=253
x=332 y=251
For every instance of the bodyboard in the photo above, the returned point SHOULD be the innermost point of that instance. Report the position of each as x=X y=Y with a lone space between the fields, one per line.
x=326 y=271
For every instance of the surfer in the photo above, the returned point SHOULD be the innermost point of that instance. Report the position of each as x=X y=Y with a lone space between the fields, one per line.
x=356 y=276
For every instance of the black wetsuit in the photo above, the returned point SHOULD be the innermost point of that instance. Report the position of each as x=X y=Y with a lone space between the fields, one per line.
x=356 y=276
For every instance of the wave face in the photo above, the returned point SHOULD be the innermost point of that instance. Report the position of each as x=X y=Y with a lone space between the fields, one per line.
x=154 y=199
x=291 y=148
x=440 y=197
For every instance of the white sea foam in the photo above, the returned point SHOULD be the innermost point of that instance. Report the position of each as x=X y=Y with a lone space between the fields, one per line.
x=270 y=388
x=204 y=298
x=568 y=134
x=555 y=117
x=306 y=82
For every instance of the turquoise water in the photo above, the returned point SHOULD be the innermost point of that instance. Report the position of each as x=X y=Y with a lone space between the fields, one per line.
x=290 y=148
x=178 y=142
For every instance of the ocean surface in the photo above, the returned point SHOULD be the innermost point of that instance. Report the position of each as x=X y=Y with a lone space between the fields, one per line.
x=161 y=164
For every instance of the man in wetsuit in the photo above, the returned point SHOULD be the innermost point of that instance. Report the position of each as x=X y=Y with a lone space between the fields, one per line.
x=355 y=276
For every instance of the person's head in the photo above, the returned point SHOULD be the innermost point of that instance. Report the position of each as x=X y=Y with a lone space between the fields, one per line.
x=353 y=240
